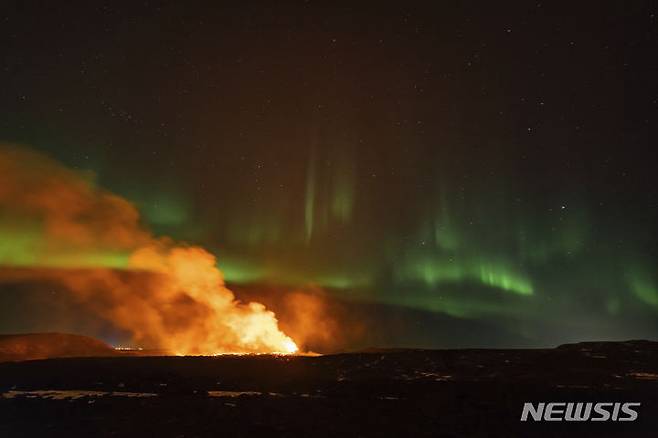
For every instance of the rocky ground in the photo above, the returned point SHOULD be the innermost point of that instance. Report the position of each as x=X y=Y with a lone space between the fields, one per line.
x=449 y=393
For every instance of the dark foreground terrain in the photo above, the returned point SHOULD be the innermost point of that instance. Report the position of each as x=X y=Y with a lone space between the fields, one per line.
x=447 y=393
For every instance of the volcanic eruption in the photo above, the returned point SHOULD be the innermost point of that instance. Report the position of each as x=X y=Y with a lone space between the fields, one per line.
x=58 y=225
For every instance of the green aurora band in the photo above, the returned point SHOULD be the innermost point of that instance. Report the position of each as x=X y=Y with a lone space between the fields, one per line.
x=473 y=255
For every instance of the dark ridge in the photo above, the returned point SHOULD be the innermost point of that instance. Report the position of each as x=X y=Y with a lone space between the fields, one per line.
x=19 y=347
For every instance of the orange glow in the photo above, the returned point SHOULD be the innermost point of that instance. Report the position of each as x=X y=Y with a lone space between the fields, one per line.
x=219 y=324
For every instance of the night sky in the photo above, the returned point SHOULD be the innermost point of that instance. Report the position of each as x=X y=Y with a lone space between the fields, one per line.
x=475 y=163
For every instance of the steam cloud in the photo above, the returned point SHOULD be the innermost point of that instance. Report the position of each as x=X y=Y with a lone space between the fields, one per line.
x=57 y=220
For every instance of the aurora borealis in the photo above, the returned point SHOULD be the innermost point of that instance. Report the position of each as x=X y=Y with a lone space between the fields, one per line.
x=488 y=164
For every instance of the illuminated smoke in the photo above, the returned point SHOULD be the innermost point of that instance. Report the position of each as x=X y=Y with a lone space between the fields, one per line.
x=56 y=218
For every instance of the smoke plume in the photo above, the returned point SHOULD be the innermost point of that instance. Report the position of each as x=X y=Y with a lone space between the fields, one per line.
x=59 y=222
